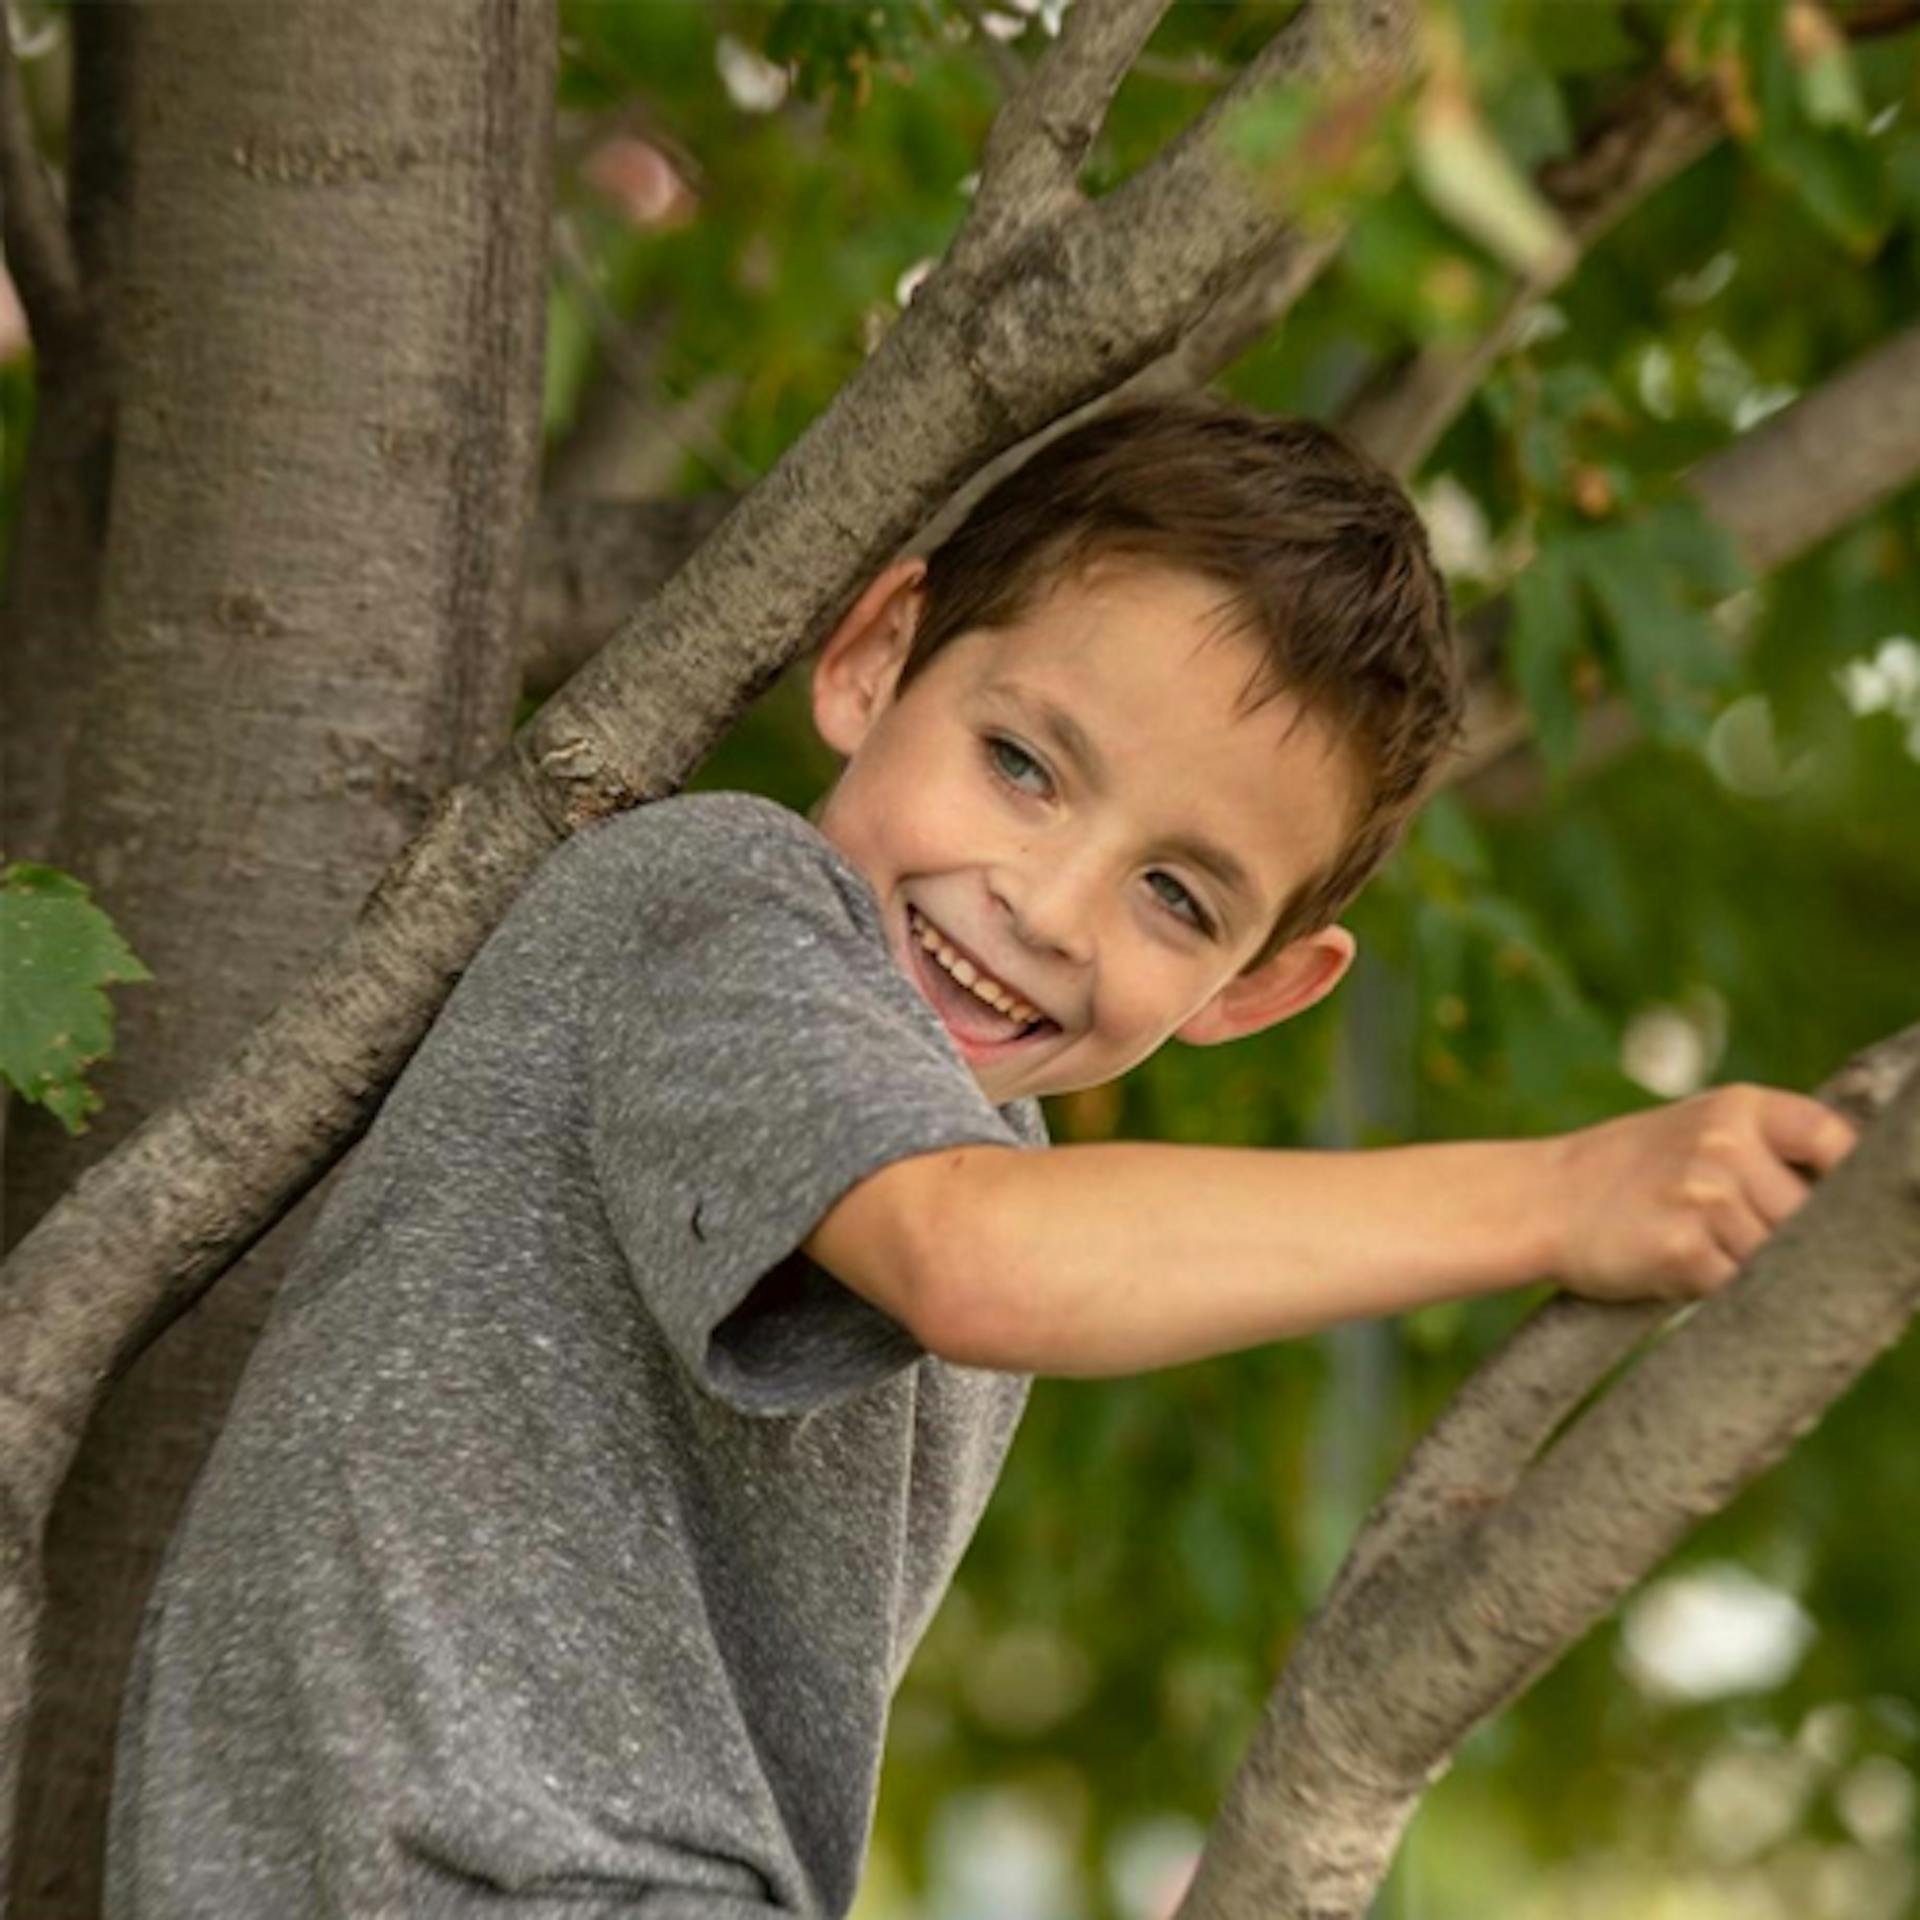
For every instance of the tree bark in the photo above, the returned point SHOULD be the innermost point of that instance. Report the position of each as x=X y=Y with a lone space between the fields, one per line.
x=330 y=307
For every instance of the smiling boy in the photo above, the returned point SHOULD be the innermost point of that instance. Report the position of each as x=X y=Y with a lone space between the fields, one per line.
x=635 y=1396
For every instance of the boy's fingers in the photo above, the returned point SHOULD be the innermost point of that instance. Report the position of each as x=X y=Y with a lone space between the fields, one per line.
x=1738 y=1228
x=1807 y=1132
x=1775 y=1190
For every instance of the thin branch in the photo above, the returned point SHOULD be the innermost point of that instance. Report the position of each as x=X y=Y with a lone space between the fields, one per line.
x=631 y=370
x=33 y=225
x=1876 y=19
x=1488 y=1436
x=1030 y=172
x=1657 y=129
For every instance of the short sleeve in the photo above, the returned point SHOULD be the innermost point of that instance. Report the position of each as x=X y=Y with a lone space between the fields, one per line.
x=753 y=1052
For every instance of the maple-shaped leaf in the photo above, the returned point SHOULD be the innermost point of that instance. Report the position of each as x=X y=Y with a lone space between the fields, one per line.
x=57 y=952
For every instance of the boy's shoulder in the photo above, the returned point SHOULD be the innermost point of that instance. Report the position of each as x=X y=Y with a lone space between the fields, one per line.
x=727 y=843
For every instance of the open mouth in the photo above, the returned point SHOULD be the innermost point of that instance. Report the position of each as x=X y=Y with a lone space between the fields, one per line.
x=977 y=1008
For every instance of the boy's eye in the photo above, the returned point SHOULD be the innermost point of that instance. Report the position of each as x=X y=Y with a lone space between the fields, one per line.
x=1176 y=897
x=1015 y=765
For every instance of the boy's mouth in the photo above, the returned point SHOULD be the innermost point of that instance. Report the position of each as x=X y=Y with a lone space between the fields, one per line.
x=979 y=1010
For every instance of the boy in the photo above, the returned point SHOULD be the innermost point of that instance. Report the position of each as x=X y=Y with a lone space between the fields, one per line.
x=634 y=1398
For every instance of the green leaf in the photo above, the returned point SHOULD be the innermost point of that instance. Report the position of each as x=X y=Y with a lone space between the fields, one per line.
x=1669 y=654
x=57 y=951
x=1544 y=644
x=1829 y=86
x=1837 y=173
x=1697 y=547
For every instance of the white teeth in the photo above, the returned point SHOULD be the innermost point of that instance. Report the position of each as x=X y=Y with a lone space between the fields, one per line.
x=982 y=986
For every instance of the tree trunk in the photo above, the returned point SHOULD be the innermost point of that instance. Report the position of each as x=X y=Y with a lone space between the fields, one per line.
x=327 y=432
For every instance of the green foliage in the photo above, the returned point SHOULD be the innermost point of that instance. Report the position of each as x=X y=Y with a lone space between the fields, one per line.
x=57 y=952
x=829 y=47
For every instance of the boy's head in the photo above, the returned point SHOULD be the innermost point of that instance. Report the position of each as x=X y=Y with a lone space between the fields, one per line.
x=1182 y=640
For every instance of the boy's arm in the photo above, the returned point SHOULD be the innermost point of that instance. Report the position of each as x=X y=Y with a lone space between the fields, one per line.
x=1119 y=1258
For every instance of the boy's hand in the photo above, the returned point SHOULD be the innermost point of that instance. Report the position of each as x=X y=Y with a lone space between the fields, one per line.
x=1671 y=1203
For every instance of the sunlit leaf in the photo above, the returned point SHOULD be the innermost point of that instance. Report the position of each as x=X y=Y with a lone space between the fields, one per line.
x=1468 y=176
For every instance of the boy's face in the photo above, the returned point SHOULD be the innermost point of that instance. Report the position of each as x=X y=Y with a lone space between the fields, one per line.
x=1077 y=814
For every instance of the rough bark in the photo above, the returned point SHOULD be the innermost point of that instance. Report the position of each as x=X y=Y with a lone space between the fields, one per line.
x=329 y=309
x=1002 y=339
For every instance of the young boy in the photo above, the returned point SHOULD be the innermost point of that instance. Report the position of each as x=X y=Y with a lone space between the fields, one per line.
x=633 y=1400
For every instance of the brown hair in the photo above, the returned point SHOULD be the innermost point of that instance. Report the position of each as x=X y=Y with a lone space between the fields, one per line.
x=1323 y=557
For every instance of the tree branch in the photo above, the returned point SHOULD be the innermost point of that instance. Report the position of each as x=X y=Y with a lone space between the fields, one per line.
x=33 y=227
x=1030 y=172
x=1425 y=1639
x=1651 y=135
x=1657 y=129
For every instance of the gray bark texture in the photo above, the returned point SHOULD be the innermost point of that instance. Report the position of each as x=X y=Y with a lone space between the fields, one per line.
x=324 y=441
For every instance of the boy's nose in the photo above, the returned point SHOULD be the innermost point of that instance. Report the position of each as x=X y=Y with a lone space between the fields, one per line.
x=1049 y=905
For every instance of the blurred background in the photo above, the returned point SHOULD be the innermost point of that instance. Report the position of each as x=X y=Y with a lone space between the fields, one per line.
x=1700 y=861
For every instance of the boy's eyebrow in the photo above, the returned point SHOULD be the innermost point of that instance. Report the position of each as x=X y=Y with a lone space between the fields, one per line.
x=1073 y=740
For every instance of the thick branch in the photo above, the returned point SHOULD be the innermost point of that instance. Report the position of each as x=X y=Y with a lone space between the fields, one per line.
x=33 y=227
x=1412 y=1652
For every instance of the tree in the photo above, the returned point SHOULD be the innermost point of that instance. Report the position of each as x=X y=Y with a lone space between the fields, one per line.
x=1046 y=301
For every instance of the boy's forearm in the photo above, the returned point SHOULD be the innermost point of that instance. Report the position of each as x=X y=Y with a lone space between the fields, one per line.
x=1112 y=1259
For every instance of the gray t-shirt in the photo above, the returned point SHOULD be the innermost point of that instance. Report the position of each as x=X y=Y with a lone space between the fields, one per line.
x=571 y=1530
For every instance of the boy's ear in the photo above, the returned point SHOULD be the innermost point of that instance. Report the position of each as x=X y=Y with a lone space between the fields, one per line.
x=1303 y=971
x=854 y=675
